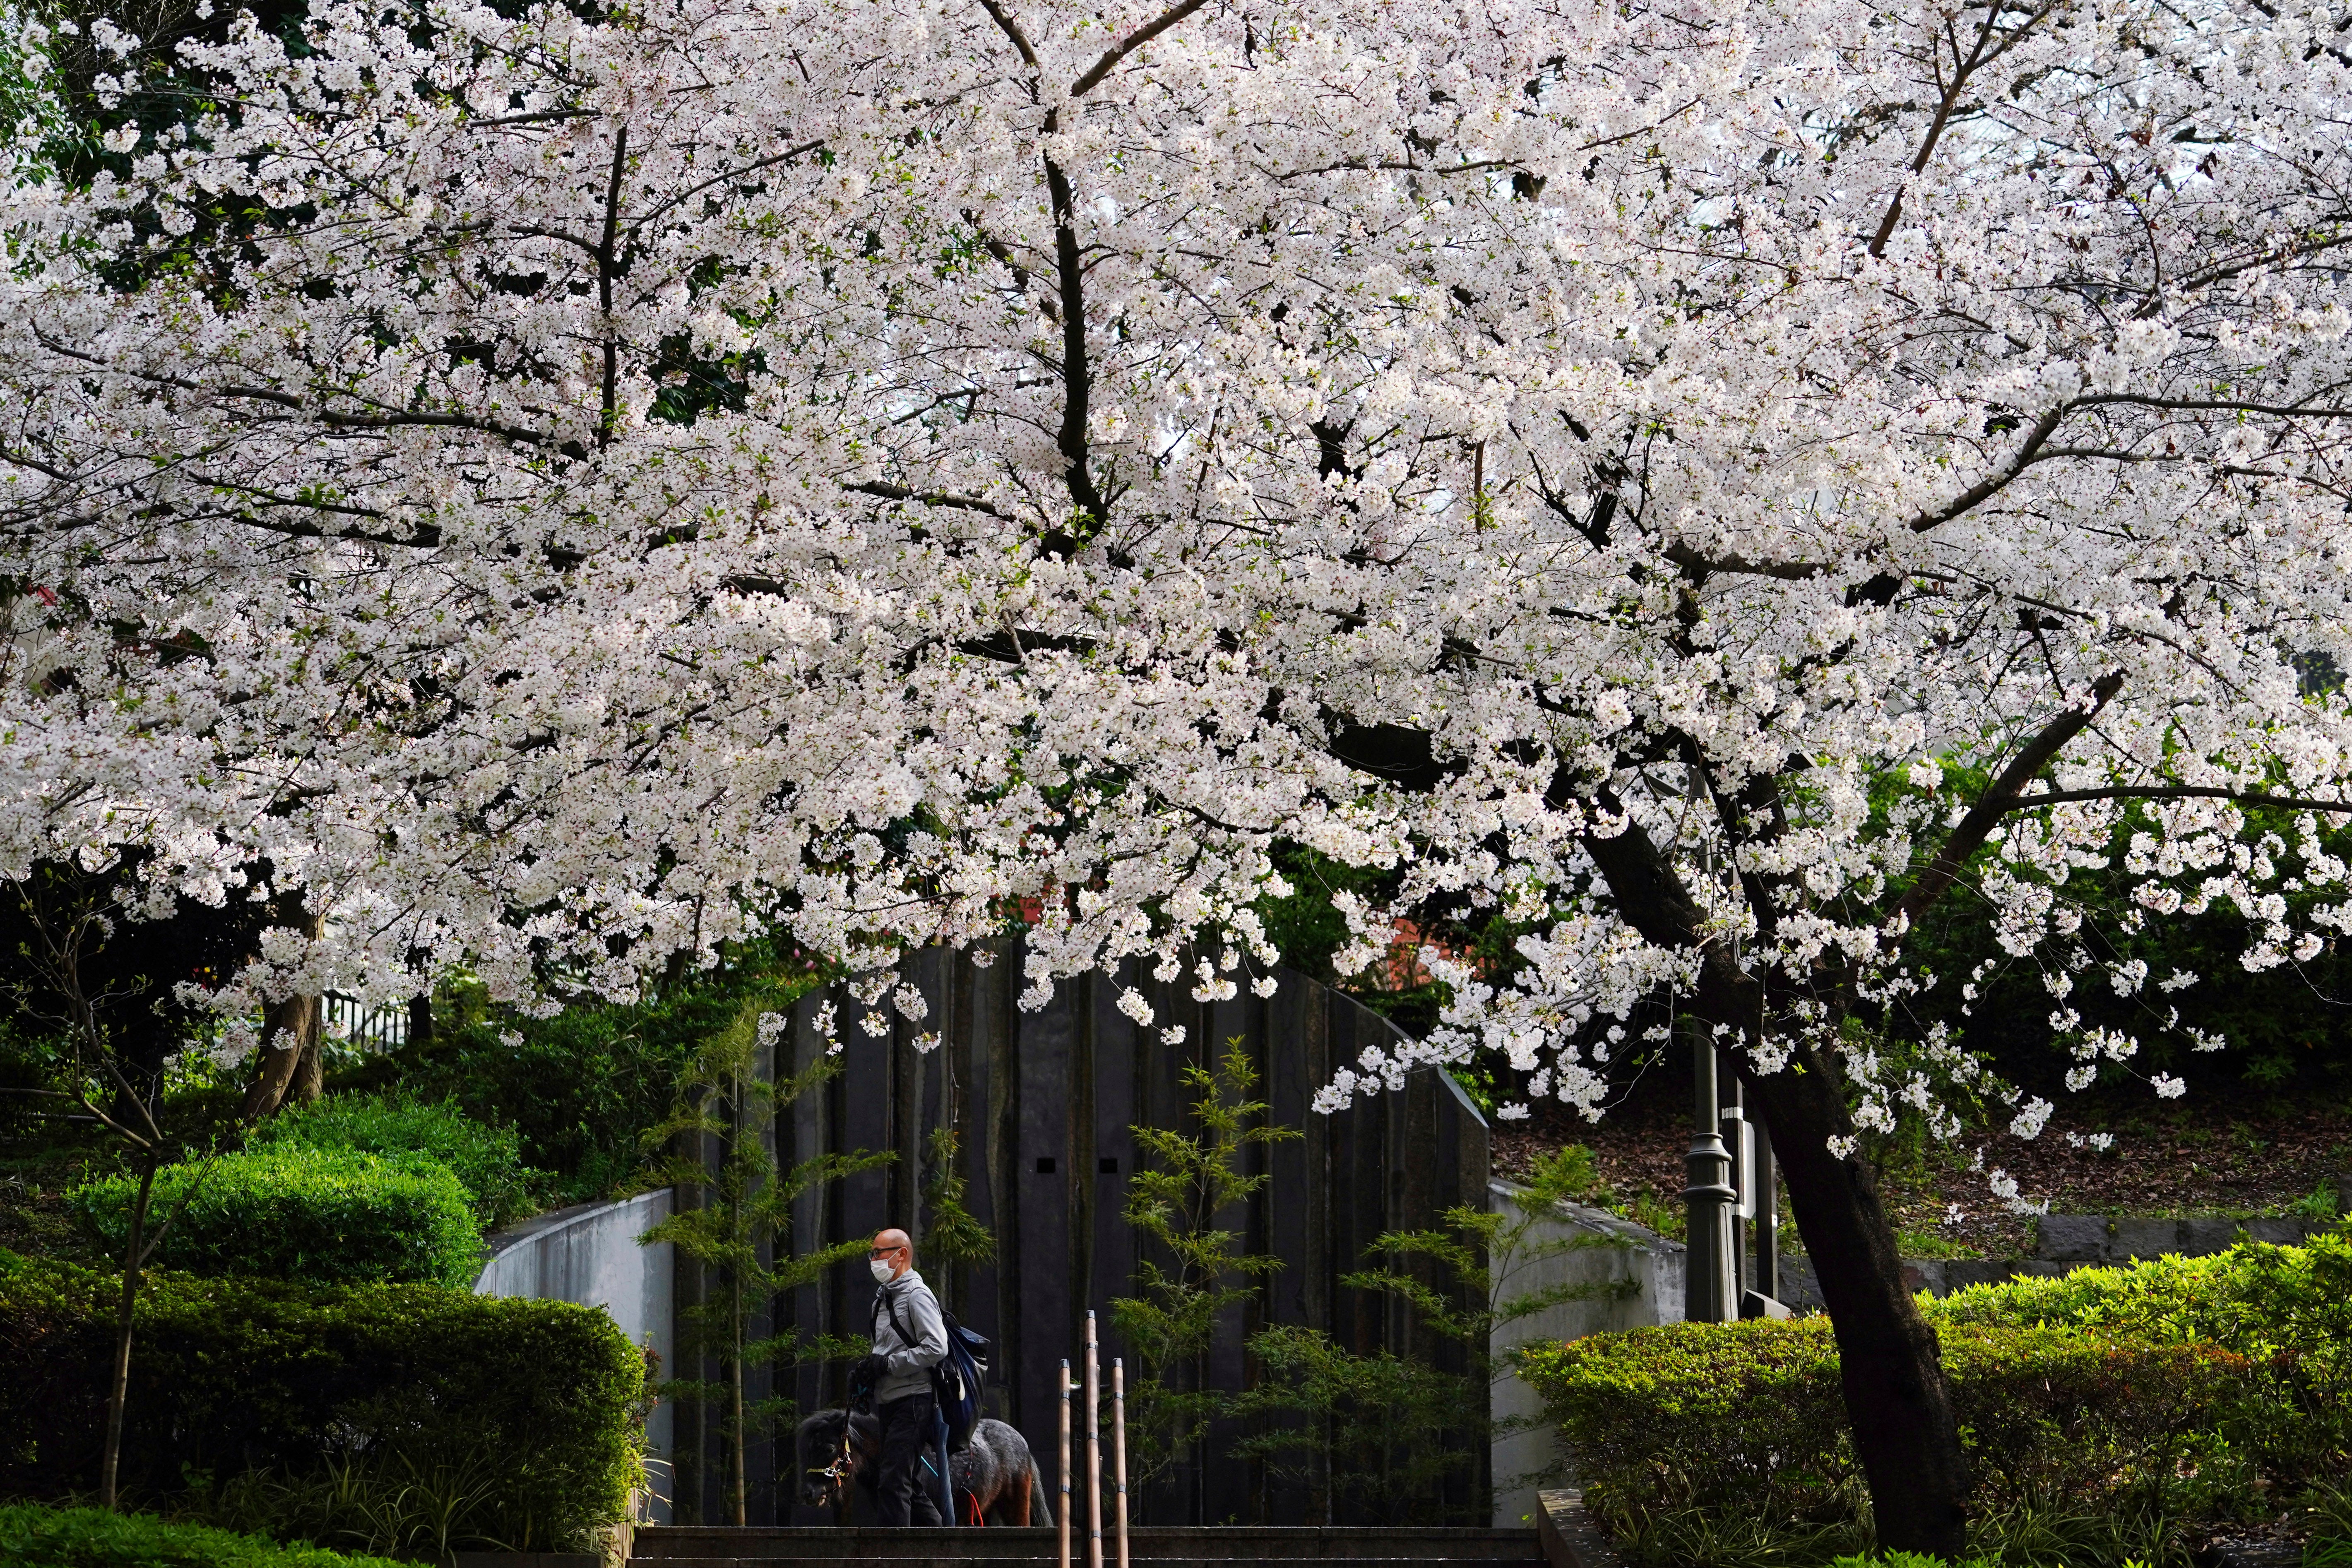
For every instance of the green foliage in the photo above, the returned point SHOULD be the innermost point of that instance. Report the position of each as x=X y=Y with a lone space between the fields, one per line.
x=1304 y=922
x=237 y=1385
x=1308 y=930
x=397 y=1502
x=582 y=1088
x=32 y=1536
x=1392 y=1438
x=487 y=1160
x=952 y=1234
x=2286 y=1309
x=743 y=1228
x=1375 y=1436
x=2328 y=1510
x=2320 y=1203
x=1187 y=1180
x=2102 y=1411
x=1748 y=1420
x=286 y=1212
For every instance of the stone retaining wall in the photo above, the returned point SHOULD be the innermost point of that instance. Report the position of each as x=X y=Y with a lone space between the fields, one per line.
x=590 y=1253
x=2069 y=1241
x=1635 y=1278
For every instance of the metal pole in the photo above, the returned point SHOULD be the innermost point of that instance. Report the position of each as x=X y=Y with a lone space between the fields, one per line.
x=1118 y=1446
x=1094 y=1450
x=1063 y=1518
x=1734 y=1117
x=1708 y=1197
x=1766 y=1203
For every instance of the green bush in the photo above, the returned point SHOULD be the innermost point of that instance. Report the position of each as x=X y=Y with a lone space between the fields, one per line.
x=528 y=1411
x=579 y=1089
x=32 y=1536
x=1748 y=1419
x=2286 y=1309
x=488 y=1159
x=325 y=1216
x=2101 y=1411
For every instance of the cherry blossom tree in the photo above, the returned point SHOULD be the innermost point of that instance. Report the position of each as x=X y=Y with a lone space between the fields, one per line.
x=1714 y=483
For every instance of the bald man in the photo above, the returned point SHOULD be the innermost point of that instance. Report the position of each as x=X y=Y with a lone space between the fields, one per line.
x=910 y=1339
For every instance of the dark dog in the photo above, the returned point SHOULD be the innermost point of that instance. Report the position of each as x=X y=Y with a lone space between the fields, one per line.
x=995 y=1477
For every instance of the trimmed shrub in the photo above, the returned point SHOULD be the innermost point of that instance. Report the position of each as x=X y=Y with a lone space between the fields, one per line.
x=2288 y=1310
x=32 y=1536
x=2099 y=1410
x=1749 y=1419
x=488 y=1159
x=234 y=1383
x=325 y=1216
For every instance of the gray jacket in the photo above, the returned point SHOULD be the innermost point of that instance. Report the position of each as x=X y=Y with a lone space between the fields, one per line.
x=906 y=1366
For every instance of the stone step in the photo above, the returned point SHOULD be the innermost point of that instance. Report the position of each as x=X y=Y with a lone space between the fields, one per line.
x=1077 y=1556
x=1219 y=1546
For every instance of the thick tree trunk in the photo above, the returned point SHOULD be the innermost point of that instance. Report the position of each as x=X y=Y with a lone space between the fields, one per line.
x=310 y=1069
x=289 y=1032
x=1905 y=1432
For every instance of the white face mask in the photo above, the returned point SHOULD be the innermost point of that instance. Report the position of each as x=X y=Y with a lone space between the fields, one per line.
x=881 y=1268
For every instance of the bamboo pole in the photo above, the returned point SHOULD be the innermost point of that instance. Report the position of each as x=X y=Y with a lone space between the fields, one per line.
x=1118 y=1446
x=1094 y=1449
x=1062 y=1518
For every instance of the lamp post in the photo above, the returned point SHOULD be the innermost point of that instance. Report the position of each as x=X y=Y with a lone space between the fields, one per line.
x=1739 y=1149
x=1711 y=1288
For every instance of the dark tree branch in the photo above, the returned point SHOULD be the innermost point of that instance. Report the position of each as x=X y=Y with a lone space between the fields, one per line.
x=1129 y=44
x=1992 y=484
x=2181 y=792
x=1012 y=30
x=1998 y=798
x=604 y=287
x=927 y=497
x=1962 y=70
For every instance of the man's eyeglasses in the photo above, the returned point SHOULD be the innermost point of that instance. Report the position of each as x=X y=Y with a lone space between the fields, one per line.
x=886 y=1252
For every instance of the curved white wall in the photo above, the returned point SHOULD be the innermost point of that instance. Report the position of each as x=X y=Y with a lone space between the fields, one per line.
x=591 y=1255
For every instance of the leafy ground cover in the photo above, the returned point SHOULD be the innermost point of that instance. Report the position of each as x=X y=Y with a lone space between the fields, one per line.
x=32 y=1536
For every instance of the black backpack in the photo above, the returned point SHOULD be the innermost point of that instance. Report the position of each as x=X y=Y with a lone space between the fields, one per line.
x=956 y=1377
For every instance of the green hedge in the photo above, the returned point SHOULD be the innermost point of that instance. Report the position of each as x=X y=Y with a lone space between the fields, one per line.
x=488 y=1159
x=579 y=1089
x=328 y=1217
x=32 y=1536
x=2286 y=1309
x=266 y=1399
x=2116 y=1400
x=1748 y=1419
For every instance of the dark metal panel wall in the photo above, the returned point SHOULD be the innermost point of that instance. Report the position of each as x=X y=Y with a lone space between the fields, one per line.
x=1042 y=1104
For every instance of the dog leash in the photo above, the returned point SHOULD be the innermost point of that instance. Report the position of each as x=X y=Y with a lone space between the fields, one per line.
x=839 y=1469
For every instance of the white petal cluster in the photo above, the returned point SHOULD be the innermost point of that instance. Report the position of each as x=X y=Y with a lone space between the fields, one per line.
x=894 y=472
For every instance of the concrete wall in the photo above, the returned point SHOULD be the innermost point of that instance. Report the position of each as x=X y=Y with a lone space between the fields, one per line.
x=1634 y=1280
x=2069 y=1241
x=590 y=1255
